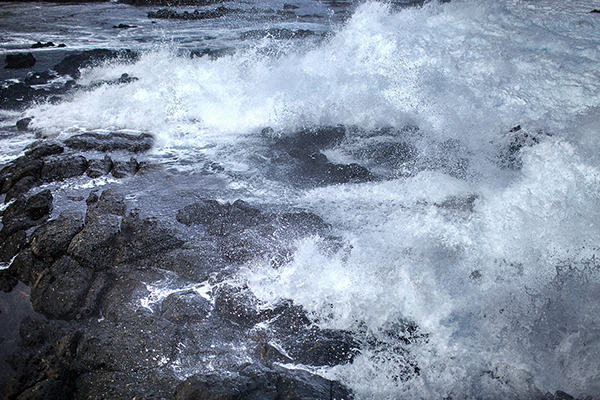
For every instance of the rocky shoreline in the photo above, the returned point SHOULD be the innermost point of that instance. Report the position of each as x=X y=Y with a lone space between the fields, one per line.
x=91 y=276
x=136 y=308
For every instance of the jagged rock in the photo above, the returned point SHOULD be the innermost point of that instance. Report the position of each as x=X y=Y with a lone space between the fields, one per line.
x=23 y=214
x=203 y=212
x=61 y=290
x=71 y=64
x=23 y=124
x=197 y=264
x=95 y=246
x=185 y=307
x=113 y=141
x=21 y=60
x=277 y=33
x=139 y=239
x=40 y=45
x=12 y=245
x=60 y=168
x=22 y=187
x=42 y=149
x=99 y=287
x=26 y=267
x=122 y=169
x=20 y=168
x=51 y=240
x=117 y=302
x=258 y=382
x=238 y=306
x=303 y=222
x=109 y=202
x=166 y=13
x=98 y=168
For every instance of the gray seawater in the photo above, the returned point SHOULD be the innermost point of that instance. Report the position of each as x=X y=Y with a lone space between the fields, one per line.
x=497 y=267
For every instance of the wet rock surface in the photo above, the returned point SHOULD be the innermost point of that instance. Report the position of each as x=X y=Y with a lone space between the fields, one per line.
x=150 y=306
x=20 y=94
x=112 y=332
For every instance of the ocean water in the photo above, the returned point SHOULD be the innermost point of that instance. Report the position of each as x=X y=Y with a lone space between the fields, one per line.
x=465 y=270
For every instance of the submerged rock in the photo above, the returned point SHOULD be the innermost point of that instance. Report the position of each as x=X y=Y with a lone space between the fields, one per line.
x=218 y=12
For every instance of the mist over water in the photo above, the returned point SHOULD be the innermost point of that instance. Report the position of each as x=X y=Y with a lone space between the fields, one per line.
x=454 y=271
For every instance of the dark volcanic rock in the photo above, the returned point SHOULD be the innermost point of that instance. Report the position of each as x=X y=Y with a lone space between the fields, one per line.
x=239 y=306
x=258 y=382
x=277 y=33
x=218 y=12
x=71 y=64
x=61 y=291
x=7 y=281
x=116 y=305
x=23 y=124
x=221 y=219
x=203 y=212
x=52 y=239
x=141 y=239
x=197 y=264
x=12 y=245
x=16 y=61
x=303 y=222
x=23 y=214
x=40 y=45
x=20 y=168
x=111 y=142
x=185 y=307
x=42 y=149
x=96 y=245
x=22 y=187
x=98 y=168
x=122 y=169
x=26 y=267
x=60 y=168
x=109 y=202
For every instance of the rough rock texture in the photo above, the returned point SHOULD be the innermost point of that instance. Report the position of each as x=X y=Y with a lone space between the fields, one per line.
x=19 y=95
x=111 y=142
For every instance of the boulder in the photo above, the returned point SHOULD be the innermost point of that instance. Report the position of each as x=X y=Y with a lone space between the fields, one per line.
x=26 y=267
x=61 y=291
x=98 y=168
x=239 y=306
x=122 y=169
x=42 y=149
x=51 y=240
x=21 y=60
x=140 y=239
x=72 y=64
x=109 y=202
x=11 y=246
x=23 y=214
x=95 y=246
x=60 y=168
x=254 y=382
x=23 y=124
